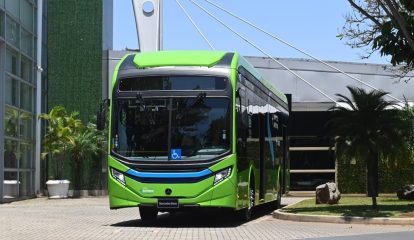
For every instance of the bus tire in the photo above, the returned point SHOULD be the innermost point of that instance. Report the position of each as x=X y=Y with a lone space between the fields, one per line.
x=246 y=213
x=148 y=213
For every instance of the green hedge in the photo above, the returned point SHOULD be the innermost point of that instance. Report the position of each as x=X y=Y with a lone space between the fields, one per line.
x=392 y=177
x=91 y=173
x=352 y=178
x=75 y=68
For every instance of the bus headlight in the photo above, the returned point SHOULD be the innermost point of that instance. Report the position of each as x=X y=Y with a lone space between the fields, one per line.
x=221 y=175
x=118 y=176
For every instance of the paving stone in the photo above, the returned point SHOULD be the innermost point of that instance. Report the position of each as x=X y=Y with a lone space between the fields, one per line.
x=90 y=218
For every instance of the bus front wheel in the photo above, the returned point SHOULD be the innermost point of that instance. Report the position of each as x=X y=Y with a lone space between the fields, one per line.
x=246 y=214
x=148 y=213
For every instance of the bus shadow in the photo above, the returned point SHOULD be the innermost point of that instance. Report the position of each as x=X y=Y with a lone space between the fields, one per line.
x=198 y=219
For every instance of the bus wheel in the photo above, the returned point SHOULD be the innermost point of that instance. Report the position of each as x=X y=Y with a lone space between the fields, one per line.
x=148 y=213
x=246 y=214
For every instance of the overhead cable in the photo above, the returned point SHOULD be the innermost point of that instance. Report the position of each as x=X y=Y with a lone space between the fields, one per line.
x=297 y=49
x=195 y=25
x=262 y=51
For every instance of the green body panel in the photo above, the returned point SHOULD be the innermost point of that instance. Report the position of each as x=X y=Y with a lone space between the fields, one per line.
x=233 y=80
x=233 y=191
x=178 y=58
x=116 y=70
x=242 y=188
x=243 y=177
x=203 y=193
x=114 y=77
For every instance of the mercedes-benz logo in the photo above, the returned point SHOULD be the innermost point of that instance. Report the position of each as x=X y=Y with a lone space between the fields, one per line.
x=168 y=191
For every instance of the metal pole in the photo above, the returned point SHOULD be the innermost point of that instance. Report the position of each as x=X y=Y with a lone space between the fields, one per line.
x=149 y=24
x=161 y=23
x=39 y=71
x=2 y=55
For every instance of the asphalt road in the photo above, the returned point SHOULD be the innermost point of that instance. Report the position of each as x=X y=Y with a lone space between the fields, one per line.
x=90 y=218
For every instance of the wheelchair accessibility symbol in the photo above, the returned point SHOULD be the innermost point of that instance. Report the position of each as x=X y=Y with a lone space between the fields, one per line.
x=176 y=154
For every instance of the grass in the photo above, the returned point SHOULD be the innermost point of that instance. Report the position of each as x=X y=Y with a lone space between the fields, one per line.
x=356 y=206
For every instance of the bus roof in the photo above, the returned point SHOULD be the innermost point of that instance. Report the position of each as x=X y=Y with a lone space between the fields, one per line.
x=198 y=58
x=178 y=58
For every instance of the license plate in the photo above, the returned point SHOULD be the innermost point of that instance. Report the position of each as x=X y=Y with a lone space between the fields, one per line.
x=167 y=203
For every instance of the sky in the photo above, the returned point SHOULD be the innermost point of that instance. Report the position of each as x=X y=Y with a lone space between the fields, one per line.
x=311 y=25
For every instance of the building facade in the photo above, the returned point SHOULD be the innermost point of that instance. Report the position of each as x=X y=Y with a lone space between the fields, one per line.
x=70 y=74
x=18 y=83
x=312 y=158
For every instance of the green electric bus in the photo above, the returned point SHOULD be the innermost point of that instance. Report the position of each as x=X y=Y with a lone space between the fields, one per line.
x=194 y=129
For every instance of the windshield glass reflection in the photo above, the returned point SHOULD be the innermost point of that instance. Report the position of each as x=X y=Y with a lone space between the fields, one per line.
x=191 y=128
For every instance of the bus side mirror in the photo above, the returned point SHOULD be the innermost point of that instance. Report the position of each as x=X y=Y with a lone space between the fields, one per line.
x=238 y=93
x=101 y=116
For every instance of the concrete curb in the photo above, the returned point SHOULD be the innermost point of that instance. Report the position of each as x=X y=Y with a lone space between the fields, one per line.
x=278 y=214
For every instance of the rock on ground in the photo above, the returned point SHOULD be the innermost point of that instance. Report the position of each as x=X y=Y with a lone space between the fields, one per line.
x=406 y=192
x=327 y=193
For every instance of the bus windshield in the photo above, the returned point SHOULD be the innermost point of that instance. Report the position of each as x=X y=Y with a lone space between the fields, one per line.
x=182 y=128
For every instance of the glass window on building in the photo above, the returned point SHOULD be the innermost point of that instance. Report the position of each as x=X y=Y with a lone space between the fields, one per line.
x=10 y=122
x=26 y=152
x=27 y=43
x=35 y=20
x=26 y=97
x=11 y=61
x=1 y=23
x=35 y=48
x=26 y=16
x=12 y=32
x=26 y=69
x=10 y=154
x=11 y=91
x=26 y=126
x=17 y=22
x=13 y=7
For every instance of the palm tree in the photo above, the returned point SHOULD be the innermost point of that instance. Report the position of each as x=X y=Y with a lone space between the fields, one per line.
x=66 y=136
x=367 y=128
x=408 y=128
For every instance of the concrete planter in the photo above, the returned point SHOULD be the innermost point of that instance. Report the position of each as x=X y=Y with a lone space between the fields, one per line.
x=11 y=188
x=58 y=188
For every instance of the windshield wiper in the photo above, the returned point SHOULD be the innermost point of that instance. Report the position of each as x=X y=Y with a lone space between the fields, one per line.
x=143 y=108
x=141 y=102
x=199 y=99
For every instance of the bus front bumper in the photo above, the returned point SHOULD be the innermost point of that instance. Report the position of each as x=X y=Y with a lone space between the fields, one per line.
x=133 y=193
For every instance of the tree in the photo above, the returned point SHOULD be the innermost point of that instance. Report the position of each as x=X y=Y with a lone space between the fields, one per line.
x=407 y=116
x=367 y=128
x=386 y=26
x=68 y=138
x=61 y=126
